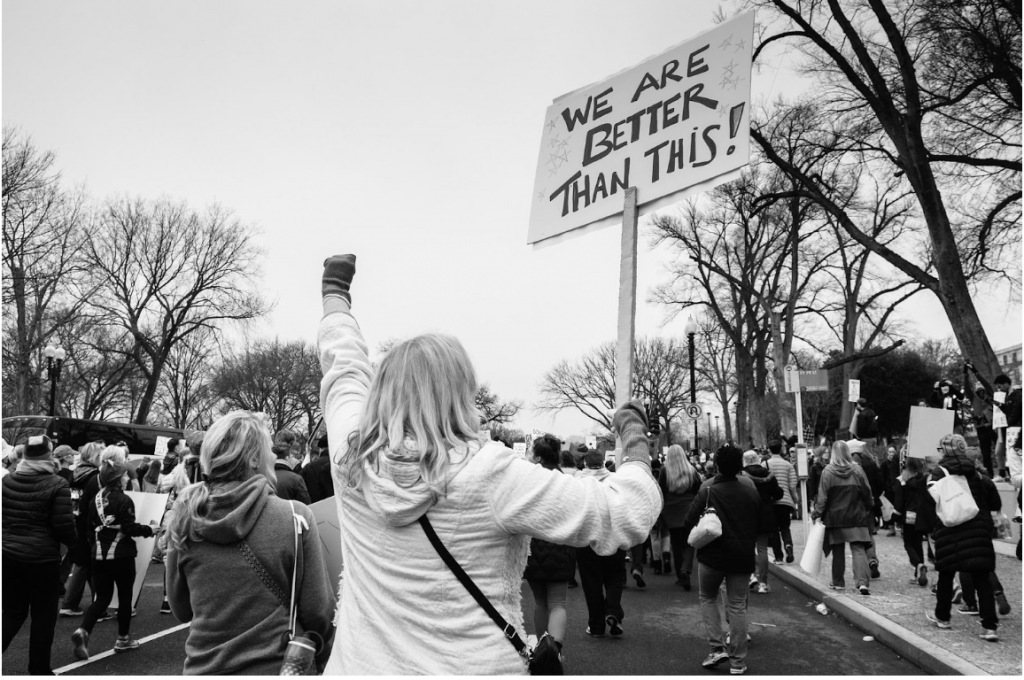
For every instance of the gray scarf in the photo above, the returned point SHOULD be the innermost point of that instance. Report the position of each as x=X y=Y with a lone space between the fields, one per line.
x=38 y=466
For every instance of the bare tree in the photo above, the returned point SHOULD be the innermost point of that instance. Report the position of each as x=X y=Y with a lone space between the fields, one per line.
x=99 y=377
x=163 y=272
x=185 y=397
x=493 y=409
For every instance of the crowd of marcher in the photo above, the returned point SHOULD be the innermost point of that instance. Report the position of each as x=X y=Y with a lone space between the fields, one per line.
x=439 y=527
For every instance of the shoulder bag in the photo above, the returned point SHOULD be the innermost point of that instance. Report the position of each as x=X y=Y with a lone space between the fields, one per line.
x=545 y=659
x=709 y=527
x=954 y=503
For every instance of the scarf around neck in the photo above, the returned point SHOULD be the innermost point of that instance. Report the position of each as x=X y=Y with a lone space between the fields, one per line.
x=44 y=466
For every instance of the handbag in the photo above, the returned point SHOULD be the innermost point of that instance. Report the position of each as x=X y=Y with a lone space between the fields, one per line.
x=954 y=503
x=810 y=561
x=545 y=659
x=708 y=528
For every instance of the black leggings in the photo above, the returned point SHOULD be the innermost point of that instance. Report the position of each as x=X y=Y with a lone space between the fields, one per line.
x=107 y=574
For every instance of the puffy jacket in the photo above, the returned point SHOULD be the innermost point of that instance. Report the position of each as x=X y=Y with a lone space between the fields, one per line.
x=738 y=505
x=967 y=546
x=317 y=478
x=290 y=486
x=844 y=497
x=769 y=491
x=112 y=517
x=549 y=561
x=86 y=483
x=787 y=478
x=677 y=505
x=37 y=516
x=913 y=496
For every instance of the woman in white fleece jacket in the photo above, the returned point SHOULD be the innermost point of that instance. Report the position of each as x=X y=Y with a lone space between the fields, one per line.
x=405 y=442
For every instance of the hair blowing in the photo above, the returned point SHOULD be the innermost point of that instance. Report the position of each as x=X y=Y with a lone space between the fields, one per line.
x=235 y=449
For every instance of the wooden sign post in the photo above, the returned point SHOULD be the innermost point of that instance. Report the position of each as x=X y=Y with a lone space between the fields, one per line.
x=627 y=300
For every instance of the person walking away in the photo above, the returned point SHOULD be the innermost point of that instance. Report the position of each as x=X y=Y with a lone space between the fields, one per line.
x=186 y=471
x=37 y=520
x=785 y=475
x=890 y=471
x=112 y=517
x=549 y=566
x=231 y=558
x=406 y=444
x=844 y=506
x=915 y=505
x=84 y=487
x=152 y=477
x=866 y=460
x=64 y=455
x=289 y=483
x=289 y=440
x=966 y=547
x=821 y=460
x=769 y=492
x=679 y=482
x=980 y=400
x=728 y=558
x=317 y=473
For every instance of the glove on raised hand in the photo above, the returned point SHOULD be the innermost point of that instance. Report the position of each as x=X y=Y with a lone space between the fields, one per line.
x=630 y=422
x=338 y=273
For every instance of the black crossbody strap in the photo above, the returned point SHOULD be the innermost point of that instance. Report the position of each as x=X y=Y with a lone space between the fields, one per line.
x=507 y=628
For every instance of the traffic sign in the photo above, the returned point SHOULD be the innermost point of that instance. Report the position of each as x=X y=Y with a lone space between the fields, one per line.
x=694 y=411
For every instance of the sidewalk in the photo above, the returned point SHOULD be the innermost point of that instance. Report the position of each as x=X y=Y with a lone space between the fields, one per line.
x=894 y=613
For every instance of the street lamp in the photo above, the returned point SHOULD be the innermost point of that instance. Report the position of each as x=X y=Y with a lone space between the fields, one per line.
x=718 y=433
x=54 y=360
x=691 y=329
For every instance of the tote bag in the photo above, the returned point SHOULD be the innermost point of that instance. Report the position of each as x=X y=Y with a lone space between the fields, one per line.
x=708 y=528
x=810 y=561
x=954 y=503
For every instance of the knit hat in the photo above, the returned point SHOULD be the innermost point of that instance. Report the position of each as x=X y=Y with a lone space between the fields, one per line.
x=594 y=459
x=38 y=447
x=111 y=471
x=194 y=441
x=751 y=458
x=953 y=445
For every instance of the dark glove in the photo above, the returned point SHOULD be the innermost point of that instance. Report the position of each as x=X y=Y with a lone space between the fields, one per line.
x=338 y=273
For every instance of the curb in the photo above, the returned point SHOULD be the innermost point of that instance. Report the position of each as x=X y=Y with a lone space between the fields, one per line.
x=924 y=654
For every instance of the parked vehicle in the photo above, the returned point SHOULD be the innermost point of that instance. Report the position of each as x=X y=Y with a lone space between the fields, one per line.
x=143 y=441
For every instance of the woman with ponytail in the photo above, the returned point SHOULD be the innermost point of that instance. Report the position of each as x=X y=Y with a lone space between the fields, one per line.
x=231 y=555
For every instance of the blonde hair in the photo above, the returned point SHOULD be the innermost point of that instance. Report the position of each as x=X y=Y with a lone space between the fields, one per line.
x=679 y=473
x=841 y=454
x=90 y=453
x=424 y=390
x=235 y=448
x=113 y=454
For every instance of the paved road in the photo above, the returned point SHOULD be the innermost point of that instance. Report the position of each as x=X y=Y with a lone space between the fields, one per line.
x=663 y=636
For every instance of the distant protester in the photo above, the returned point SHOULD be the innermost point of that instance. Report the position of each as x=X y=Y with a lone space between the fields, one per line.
x=844 y=505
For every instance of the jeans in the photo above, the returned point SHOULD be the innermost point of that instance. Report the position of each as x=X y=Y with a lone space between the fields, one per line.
x=549 y=608
x=682 y=552
x=912 y=544
x=106 y=575
x=986 y=600
x=75 y=588
x=761 y=565
x=861 y=571
x=602 y=578
x=31 y=587
x=736 y=588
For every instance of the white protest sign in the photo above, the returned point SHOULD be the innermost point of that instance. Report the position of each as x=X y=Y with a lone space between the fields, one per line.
x=160 y=448
x=792 y=379
x=591 y=442
x=998 y=417
x=149 y=507
x=927 y=427
x=520 y=449
x=854 y=390
x=674 y=124
x=325 y=513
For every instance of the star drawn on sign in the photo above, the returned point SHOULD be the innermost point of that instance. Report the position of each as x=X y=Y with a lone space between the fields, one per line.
x=721 y=109
x=551 y=125
x=554 y=141
x=726 y=81
x=730 y=67
x=541 y=195
x=742 y=44
x=726 y=43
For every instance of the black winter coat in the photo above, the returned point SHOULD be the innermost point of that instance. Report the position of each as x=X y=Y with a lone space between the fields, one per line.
x=967 y=546
x=769 y=490
x=549 y=561
x=738 y=506
x=914 y=497
x=289 y=485
x=37 y=517
x=114 y=539
x=86 y=482
x=317 y=477
x=890 y=469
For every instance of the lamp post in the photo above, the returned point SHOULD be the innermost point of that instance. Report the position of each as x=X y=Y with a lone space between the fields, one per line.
x=54 y=361
x=718 y=433
x=691 y=329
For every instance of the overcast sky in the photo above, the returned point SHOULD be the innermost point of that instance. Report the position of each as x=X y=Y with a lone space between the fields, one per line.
x=405 y=132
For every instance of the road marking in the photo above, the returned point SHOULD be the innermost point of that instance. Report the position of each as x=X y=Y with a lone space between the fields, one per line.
x=110 y=652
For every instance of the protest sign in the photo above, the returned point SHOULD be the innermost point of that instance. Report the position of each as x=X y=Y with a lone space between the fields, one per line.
x=325 y=513
x=854 y=390
x=927 y=427
x=673 y=125
x=520 y=449
x=591 y=442
x=149 y=507
x=160 y=448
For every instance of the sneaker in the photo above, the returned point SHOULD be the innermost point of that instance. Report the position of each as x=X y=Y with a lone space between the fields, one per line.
x=789 y=554
x=892 y=532
x=989 y=635
x=939 y=623
x=968 y=610
x=738 y=670
x=958 y=594
x=71 y=611
x=80 y=642
x=833 y=586
x=105 y=616
x=684 y=581
x=614 y=627
x=639 y=578
x=134 y=611
x=753 y=582
x=715 y=658
x=778 y=562
x=593 y=634
x=863 y=590
x=935 y=590
x=922 y=575
x=165 y=607
x=125 y=644
x=1004 y=604
x=764 y=589
x=874 y=570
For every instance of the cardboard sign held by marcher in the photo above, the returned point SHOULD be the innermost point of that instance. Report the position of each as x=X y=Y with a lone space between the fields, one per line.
x=854 y=391
x=149 y=507
x=927 y=427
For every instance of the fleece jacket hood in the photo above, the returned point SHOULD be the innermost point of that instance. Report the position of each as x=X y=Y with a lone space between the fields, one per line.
x=600 y=474
x=843 y=471
x=233 y=512
x=394 y=487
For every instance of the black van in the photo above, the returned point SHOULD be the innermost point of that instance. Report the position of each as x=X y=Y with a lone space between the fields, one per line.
x=77 y=432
